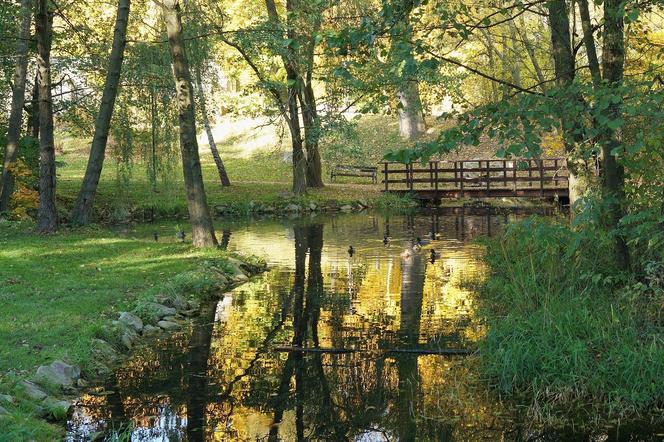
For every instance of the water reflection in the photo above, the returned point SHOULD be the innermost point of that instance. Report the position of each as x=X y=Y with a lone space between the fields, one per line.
x=325 y=346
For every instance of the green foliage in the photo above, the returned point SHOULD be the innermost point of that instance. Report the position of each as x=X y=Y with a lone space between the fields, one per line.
x=566 y=330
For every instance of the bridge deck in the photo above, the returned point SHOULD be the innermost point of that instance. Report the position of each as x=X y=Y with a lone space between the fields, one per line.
x=534 y=178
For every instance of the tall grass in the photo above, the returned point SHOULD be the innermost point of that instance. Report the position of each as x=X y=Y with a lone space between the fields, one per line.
x=566 y=331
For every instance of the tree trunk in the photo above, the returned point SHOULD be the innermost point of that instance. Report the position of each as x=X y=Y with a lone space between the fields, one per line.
x=294 y=83
x=47 y=219
x=564 y=68
x=561 y=42
x=83 y=207
x=589 y=42
x=16 y=113
x=199 y=212
x=409 y=110
x=311 y=136
x=223 y=176
x=613 y=65
x=33 y=110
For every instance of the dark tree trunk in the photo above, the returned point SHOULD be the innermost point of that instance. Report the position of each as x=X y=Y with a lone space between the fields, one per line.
x=613 y=64
x=589 y=42
x=223 y=176
x=564 y=68
x=47 y=219
x=561 y=42
x=33 y=110
x=83 y=207
x=16 y=113
x=199 y=212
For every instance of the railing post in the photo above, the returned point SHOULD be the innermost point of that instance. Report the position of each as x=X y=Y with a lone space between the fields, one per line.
x=385 y=171
x=436 y=182
x=541 y=172
x=488 y=177
x=514 y=175
x=530 y=174
x=461 y=177
x=456 y=175
x=504 y=173
x=430 y=173
x=410 y=166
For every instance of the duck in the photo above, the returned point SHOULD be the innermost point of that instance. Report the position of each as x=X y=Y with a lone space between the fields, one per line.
x=407 y=253
x=155 y=236
x=181 y=235
x=351 y=251
x=432 y=236
x=386 y=240
x=421 y=242
x=433 y=256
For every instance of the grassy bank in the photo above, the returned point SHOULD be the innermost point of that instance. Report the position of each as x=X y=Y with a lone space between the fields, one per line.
x=567 y=332
x=59 y=292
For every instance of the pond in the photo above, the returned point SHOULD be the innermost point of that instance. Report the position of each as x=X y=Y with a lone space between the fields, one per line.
x=327 y=345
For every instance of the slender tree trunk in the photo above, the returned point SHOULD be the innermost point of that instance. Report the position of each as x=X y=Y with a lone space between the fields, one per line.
x=199 y=212
x=16 y=113
x=294 y=84
x=223 y=176
x=530 y=49
x=47 y=219
x=83 y=207
x=589 y=42
x=613 y=65
x=33 y=113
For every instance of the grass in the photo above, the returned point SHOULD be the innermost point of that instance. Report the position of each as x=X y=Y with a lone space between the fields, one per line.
x=58 y=291
x=567 y=333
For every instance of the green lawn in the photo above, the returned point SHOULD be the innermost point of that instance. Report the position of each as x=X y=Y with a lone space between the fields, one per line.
x=57 y=291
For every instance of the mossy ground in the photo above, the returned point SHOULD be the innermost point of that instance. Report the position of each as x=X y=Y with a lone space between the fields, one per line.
x=58 y=291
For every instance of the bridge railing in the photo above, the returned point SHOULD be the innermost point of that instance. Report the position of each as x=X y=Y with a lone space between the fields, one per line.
x=477 y=176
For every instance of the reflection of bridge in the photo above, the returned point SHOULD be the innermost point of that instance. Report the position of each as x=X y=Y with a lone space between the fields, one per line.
x=538 y=178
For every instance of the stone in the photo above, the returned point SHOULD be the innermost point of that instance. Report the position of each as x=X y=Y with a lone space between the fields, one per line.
x=190 y=313
x=33 y=391
x=268 y=209
x=7 y=399
x=168 y=325
x=346 y=208
x=193 y=304
x=128 y=339
x=58 y=373
x=292 y=208
x=57 y=408
x=3 y=411
x=313 y=207
x=158 y=310
x=240 y=277
x=362 y=202
x=131 y=321
x=170 y=319
x=177 y=302
x=103 y=351
x=82 y=383
x=150 y=330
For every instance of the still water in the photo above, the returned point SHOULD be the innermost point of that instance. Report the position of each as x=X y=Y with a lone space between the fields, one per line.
x=373 y=324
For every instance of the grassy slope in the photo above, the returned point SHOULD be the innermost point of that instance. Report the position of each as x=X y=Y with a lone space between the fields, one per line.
x=57 y=291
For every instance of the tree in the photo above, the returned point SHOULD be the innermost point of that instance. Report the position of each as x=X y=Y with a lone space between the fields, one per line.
x=83 y=207
x=16 y=113
x=199 y=212
x=47 y=219
x=223 y=175
x=409 y=107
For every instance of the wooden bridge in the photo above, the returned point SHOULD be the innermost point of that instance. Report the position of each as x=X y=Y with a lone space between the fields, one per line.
x=534 y=178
